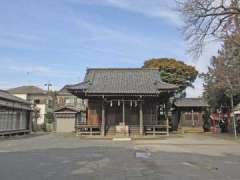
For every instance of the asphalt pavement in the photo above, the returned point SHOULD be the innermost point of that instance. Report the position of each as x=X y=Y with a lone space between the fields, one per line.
x=59 y=157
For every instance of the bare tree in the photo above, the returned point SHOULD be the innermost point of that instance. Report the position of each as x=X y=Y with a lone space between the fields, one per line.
x=208 y=20
x=224 y=73
x=226 y=69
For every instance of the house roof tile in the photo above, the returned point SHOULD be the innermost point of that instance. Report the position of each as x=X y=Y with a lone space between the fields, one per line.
x=27 y=90
x=67 y=107
x=122 y=81
x=64 y=91
x=191 y=102
x=7 y=96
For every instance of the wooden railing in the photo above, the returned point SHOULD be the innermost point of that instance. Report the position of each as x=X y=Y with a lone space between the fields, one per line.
x=156 y=129
x=83 y=129
x=134 y=130
x=88 y=129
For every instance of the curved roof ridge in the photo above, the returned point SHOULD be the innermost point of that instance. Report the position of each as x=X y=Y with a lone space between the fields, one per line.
x=122 y=80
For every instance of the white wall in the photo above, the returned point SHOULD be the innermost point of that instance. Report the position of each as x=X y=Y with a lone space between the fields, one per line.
x=42 y=113
x=41 y=107
x=22 y=96
x=65 y=125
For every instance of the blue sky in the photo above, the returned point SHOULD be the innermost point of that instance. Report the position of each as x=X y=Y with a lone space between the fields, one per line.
x=56 y=40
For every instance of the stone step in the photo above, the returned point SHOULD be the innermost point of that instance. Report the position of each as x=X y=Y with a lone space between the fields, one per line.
x=122 y=139
x=192 y=130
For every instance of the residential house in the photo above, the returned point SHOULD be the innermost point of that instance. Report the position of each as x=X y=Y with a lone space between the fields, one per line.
x=38 y=97
x=65 y=98
x=69 y=110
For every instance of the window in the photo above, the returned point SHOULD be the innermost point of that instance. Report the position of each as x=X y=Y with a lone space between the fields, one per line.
x=79 y=101
x=69 y=100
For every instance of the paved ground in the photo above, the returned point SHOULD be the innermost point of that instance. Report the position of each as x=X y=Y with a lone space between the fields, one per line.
x=188 y=157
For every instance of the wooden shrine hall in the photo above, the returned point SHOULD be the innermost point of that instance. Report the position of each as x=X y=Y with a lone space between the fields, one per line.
x=124 y=102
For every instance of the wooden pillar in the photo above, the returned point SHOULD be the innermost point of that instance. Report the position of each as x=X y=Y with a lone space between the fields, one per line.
x=167 y=120
x=156 y=119
x=141 y=118
x=167 y=126
x=123 y=114
x=199 y=120
x=156 y=114
x=103 y=120
x=193 y=122
x=180 y=119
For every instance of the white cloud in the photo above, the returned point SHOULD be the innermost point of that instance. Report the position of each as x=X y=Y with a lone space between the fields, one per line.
x=102 y=32
x=157 y=8
x=13 y=66
x=22 y=36
x=163 y=9
x=42 y=70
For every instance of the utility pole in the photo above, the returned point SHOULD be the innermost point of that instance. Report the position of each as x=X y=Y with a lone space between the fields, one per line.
x=48 y=90
x=48 y=86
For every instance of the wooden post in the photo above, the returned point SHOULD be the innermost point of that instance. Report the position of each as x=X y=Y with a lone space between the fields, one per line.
x=141 y=118
x=156 y=115
x=167 y=126
x=154 y=130
x=123 y=114
x=193 y=122
x=156 y=119
x=103 y=120
x=181 y=120
x=167 y=120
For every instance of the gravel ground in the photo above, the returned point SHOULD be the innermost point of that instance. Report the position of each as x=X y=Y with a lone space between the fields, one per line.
x=54 y=156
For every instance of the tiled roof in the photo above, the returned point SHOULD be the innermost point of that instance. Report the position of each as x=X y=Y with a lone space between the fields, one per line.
x=191 y=102
x=67 y=107
x=122 y=81
x=5 y=95
x=26 y=90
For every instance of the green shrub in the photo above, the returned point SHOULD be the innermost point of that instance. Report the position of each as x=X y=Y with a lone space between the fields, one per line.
x=206 y=121
x=49 y=117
